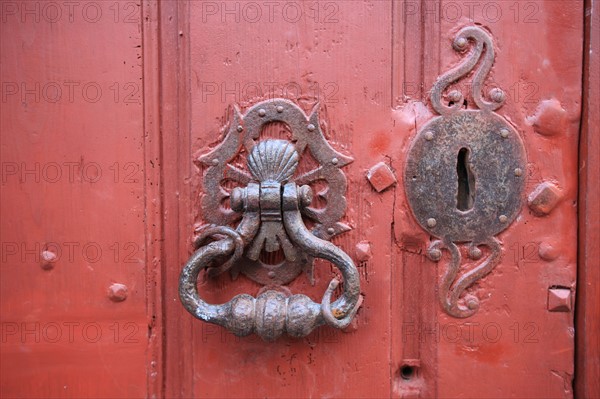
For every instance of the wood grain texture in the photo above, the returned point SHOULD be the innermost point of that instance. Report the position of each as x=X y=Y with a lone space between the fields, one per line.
x=241 y=58
x=306 y=60
x=153 y=200
x=587 y=368
x=71 y=127
x=175 y=173
x=169 y=73
x=515 y=346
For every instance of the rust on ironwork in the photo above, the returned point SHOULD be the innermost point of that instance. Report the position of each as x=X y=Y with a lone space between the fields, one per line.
x=272 y=202
x=463 y=176
x=306 y=135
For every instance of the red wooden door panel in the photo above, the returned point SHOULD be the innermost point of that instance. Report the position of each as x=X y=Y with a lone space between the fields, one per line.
x=307 y=61
x=106 y=107
x=517 y=344
x=72 y=201
x=240 y=54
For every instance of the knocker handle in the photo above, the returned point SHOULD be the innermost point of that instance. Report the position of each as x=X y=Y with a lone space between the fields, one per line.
x=272 y=313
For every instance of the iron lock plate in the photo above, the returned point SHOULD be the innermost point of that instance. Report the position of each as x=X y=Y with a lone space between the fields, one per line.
x=493 y=156
x=464 y=175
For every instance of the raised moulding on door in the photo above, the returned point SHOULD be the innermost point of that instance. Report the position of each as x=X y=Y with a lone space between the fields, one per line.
x=464 y=174
x=270 y=207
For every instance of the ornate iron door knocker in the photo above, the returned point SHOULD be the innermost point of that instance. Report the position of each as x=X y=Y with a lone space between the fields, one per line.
x=464 y=175
x=270 y=199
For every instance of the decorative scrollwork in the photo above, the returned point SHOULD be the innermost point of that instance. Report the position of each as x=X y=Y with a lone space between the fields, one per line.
x=482 y=41
x=452 y=288
x=306 y=135
x=271 y=200
x=463 y=176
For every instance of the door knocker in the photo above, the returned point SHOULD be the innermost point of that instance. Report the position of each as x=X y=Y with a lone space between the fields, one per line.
x=268 y=198
x=464 y=175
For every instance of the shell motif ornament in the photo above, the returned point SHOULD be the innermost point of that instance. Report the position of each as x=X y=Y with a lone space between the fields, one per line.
x=272 y=163
x=269 y=205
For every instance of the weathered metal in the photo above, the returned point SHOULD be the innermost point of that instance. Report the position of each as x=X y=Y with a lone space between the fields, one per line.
x=271 y=205
x=464 y=174
x=306 y=134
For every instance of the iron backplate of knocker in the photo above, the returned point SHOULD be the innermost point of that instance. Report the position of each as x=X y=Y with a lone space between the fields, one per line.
x=464 y=175
x=270 y=205
x=242 y=135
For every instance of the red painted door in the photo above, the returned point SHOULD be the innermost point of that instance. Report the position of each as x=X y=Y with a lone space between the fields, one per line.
x=73 y=209
x=109 y=110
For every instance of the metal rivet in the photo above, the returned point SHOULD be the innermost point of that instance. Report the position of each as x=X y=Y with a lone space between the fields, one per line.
x=240 y=128
x=215 y=161
x=434 y=254
x=518 y=172
x=431 y=222
x=497 y=95
x=502 y=218
x=271 y=274
x=472 y=303
x=429 y=136
x=334 y=161
x=279 y=108
x=504 y=133
x=550 y=118
x=117 y=292
x=544 y=198
x=460 y=43
x=475 y=253
x=330 y=230
x=311 y=127
x=559 y=299
x=363 y=251
x=455 y=96
x=381 y=176
x=547 y=252
x=49 y=258
x=262 y=112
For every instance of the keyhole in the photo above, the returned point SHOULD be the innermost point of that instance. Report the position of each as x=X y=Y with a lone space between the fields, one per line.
x=466 y=181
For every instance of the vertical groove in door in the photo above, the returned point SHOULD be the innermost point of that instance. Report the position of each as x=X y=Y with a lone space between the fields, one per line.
x=187 y=167
x=153 y=200
x=175 y=145
x=430 y=44
x=587 y=316
x=415 y=66
x=397 y=56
